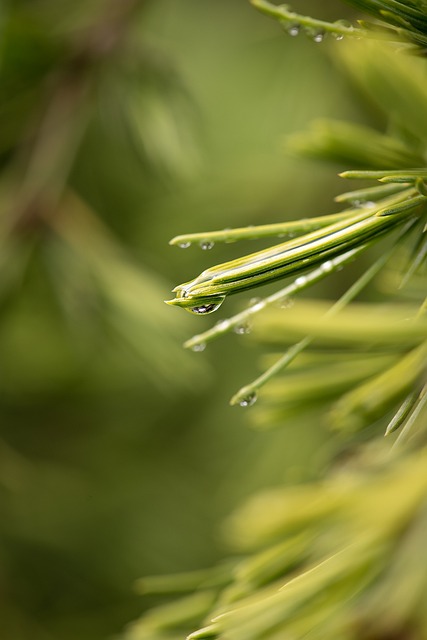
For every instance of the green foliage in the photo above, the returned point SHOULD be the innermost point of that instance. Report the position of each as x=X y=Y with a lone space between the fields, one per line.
x=399 y=206
x=339 y=557
x=54 y=103
x=123 y=123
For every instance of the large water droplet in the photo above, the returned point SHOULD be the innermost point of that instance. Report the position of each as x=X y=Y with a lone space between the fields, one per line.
x=301 y=281
x=206 y=245
x=242 y=329
x=200 y=346
x=184 y=245
x=209 y=307
x=248 y=400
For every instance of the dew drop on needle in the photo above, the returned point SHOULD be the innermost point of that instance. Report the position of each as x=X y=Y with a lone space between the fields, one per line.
x=242 y=329
x=206 y=245
x=199 y=346
x=248 y=400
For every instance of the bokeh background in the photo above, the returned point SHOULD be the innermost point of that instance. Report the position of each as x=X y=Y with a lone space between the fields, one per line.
x=123 y=124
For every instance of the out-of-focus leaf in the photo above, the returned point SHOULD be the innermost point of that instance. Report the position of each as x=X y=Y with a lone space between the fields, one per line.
x=363 y=325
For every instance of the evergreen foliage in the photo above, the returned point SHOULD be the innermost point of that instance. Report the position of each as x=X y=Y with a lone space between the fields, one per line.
x=342 y=557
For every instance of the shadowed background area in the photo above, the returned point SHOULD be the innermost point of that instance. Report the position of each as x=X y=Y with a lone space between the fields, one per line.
x=123 y=124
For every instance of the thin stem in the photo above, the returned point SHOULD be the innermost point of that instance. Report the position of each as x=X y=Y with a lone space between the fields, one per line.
x=282 y=14
x=370 y=194
x=401 y=175
x=403 y=412
x=261 y=231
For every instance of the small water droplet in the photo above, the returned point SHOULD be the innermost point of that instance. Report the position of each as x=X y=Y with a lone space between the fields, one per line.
x=357 y=204
x=253 y=301
x=206 y=245
x=242 y=329
x=293 y=29
x=301 y=281
x=327 y=266
x=344 y=23
x=248 y=400
x=318 y=36
x=200 y=346
x=184 y=245
x=338 y=36
x=370 y=204
x=206 y=308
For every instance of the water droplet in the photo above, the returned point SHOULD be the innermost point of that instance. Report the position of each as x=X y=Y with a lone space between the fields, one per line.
x=206 y=308
x=293 y=29
x=327 y=266
x=370 y=204
x=206 y=245
x=248 y=400
x=200 y=346
x=344 y=23
x=253 y=301
x=338 y=36
x=301 y=281
x=357 y=204
x=242 y=329
x=184 y=245
x=318 y=36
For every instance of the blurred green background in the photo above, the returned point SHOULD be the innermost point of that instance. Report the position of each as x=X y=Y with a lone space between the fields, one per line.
x=124 y=124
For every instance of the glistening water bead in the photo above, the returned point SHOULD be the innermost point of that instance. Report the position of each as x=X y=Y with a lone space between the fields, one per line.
x=199 y=346
x=319 y=36
x=293 y=29
x=206 y=245
x=206 y=308
x=242 y=329
x=248 y=400
x=184 y=245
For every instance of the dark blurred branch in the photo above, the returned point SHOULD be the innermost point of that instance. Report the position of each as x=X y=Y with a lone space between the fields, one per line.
x=61 y=127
